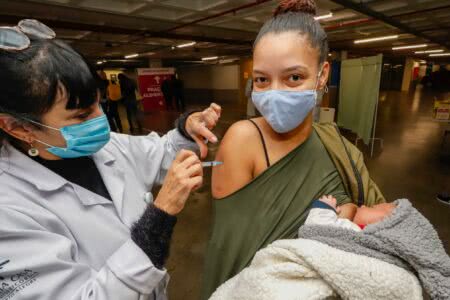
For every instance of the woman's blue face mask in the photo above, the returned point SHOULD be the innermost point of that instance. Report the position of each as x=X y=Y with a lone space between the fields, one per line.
x=84 y=139
x=285 y=110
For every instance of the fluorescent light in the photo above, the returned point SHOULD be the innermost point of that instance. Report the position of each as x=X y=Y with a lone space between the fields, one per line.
x=228 y=60
x=99 y=62
x=146 y=54
x=381 y=38
x=131 y=55
x=440 y=54
x=410 y=47
x=429 y=51
x=186 y=45
x=329 y=15
x=210 y=58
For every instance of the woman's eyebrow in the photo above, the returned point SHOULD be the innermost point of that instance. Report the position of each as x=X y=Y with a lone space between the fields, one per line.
x=258 y=72
x=296 y=68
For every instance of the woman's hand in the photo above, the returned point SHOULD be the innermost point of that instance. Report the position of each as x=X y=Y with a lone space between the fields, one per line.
x=199 y=126
x=184 y=176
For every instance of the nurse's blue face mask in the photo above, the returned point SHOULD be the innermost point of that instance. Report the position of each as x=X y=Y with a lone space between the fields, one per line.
x=285 y=110
x=83 y=139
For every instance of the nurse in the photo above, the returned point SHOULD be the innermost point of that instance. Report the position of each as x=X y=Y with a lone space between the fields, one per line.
x=77 y=219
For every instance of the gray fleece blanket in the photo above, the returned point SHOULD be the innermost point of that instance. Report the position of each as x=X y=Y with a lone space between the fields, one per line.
x=405 y=238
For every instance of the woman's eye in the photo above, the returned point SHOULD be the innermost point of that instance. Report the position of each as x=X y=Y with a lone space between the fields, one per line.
x=295 y=77
x=260 y=79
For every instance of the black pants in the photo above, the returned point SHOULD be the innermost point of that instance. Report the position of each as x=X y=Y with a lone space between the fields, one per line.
x=132 y=114
x=168 y=99
x=106 y=110
x=179 y=102
x=115 y=117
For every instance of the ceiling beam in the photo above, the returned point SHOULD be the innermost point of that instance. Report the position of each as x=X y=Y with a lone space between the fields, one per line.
x=118 y=30
x=361 y=8
x=220 y=14
x=422 y=11
x=214 y=16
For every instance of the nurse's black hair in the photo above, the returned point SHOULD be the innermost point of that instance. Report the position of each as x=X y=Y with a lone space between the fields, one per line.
x=297 y=16
x=29 y=79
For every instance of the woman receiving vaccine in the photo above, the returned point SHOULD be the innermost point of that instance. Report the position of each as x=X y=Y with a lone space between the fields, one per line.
x=263 y=189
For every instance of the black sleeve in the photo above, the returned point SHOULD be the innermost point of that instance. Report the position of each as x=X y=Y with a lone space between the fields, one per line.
x=180 y=124
x=153 y=233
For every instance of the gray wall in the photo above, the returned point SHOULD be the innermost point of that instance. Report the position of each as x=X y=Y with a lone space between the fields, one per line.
x=206 y=83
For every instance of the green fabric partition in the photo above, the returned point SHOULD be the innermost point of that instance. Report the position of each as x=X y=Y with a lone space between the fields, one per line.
x=358 y=95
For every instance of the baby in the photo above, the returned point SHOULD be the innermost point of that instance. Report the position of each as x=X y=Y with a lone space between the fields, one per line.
x=398 y=234
x=325 y=212
x=397 y=256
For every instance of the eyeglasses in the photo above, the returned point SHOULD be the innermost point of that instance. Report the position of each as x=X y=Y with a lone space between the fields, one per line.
x=17 y=38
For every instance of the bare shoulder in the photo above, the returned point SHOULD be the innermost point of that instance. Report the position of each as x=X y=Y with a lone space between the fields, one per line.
x=241 y=130
x=240 y=137
x=236 y=151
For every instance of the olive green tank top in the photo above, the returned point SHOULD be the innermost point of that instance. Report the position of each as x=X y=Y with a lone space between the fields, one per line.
x=271 y=207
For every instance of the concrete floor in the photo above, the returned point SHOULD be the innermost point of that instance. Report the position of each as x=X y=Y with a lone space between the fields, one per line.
x=411 y=165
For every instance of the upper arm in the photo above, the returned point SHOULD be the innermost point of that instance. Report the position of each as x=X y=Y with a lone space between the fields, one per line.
x=328 y=217
x=321 y=216
x=153 y=155
x=237 y=154
x=42 y=265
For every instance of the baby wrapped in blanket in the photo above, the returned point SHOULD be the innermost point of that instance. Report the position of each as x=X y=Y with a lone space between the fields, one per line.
x=389 y=251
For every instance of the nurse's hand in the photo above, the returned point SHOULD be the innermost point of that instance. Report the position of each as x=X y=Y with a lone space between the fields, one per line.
x=184 y=176
x=200 y=124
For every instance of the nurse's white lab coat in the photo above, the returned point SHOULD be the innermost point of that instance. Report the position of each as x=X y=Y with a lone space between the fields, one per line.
x=61 y=241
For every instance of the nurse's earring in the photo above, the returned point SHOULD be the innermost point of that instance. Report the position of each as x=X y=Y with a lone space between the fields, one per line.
x=33 y=152
x=326 y=89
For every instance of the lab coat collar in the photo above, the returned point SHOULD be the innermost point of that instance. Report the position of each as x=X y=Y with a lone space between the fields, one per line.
x=113 y=177
x=16 y=163
x=104 y=156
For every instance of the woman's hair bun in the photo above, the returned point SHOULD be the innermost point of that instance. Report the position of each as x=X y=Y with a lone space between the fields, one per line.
x=303 y=6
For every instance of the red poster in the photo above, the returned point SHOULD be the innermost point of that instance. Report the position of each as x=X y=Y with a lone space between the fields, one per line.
x=415 y=73
x=150 y=81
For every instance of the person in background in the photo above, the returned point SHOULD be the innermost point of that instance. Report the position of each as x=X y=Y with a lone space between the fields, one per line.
x=104 y=98
x=128 y=90
x=114 y=95
x=440 y=79
x=178 y=94
x=167 y=90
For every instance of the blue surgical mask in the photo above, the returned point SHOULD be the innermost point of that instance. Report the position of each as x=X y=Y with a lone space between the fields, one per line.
x=84 y=139
x=285 y=110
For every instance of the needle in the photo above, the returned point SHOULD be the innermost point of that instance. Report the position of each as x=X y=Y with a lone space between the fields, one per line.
x=207 y=164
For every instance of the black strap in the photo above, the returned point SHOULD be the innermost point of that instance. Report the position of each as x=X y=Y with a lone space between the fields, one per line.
x=355 y=170
x=263 y=143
